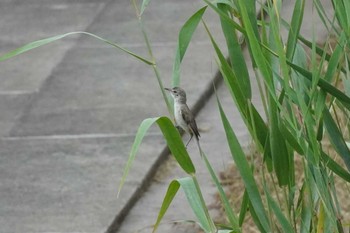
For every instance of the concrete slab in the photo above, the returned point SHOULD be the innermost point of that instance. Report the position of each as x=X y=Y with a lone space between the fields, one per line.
x=26 y=73
x=11 y=107
x=162 y=21
x=67 y=185
x=26 y=21
x=85 y=106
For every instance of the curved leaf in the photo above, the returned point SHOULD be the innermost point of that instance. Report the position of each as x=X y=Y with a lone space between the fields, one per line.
x=193 y=197
x=169 y=196
x=335 y=167
x=38 y=43
x=285 y=224
x=225 y=201
x=245 y=171
x=237 y=59
x=173 y=140
x=185 y=36
x=294 y=29
x=336 y=138
x=326 y=86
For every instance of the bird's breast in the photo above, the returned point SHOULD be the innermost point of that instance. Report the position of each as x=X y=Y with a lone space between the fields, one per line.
x=178 y=117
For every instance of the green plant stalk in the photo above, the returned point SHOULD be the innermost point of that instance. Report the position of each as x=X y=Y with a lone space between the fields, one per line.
x=287 y=204
x=229 y=210
x=262 y=91
x=254 y=131
x=154 y=65
x=211 y=223
x=270 y=214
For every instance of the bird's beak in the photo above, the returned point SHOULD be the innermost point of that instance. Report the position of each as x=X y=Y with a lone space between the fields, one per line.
x=168 y=89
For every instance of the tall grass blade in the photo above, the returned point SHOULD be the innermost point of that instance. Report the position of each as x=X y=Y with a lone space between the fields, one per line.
x=294 y=29
x=335 y=167
x=327 y=87
x=249 y=10
x=336 y=138
x=285 y=224
x=291 y=139
x=251 y=117
x=169 y=196
x=335 y=59
x=225 y=16
x=245 y=171
x=173 y=140
x=193 y=198
x=244 y=208
x=185 y=36
x=254 y=43
x=280 y=155
x=45 y=41
x=225 y=202
x=341 y=15
x=235 y=53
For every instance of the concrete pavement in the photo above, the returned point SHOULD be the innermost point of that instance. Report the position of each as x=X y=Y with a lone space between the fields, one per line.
x=71 y=108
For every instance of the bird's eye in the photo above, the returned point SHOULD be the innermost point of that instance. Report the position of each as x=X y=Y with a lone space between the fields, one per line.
x=175 y=92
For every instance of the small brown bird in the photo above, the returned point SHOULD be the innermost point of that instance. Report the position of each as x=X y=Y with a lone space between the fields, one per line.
x=183 y=115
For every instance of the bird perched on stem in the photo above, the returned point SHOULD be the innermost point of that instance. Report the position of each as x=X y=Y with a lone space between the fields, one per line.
x=183 y=115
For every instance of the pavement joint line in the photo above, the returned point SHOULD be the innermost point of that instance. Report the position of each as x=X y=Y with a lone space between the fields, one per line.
x=18 y=92
x=77 y=136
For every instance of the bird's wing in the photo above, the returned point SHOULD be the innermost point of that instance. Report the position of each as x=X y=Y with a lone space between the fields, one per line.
x=190 y=121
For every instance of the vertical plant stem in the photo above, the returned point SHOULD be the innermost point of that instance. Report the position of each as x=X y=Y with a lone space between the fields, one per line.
x=286 y=199
x=263 y=180
x=225 y=202
x=154 y=66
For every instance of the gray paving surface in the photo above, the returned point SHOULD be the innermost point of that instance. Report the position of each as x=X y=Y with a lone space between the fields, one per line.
x=70 y=110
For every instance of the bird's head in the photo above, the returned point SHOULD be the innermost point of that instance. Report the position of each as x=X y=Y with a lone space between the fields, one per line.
x=178 y=94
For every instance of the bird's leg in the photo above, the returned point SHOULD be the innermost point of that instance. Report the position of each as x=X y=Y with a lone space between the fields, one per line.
x=179 y=129
x=189 y=140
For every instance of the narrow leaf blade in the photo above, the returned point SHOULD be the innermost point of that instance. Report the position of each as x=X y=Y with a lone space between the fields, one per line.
x=42 y=42
x=336 y=138
x=141 y=132
x=245 y=171
x=173 y=140
x=169 y=196
x=185 y=36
